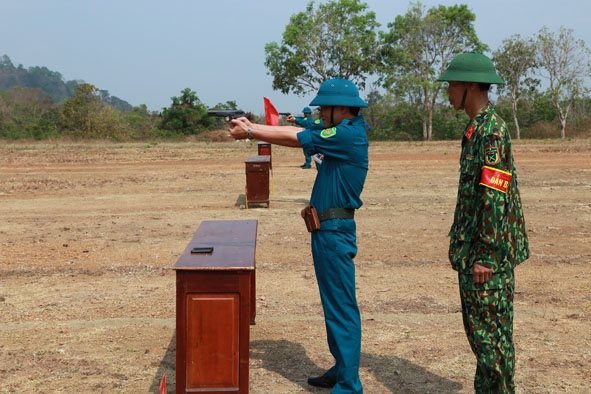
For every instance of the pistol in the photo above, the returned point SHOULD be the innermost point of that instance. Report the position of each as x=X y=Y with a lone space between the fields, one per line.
x=227 y=113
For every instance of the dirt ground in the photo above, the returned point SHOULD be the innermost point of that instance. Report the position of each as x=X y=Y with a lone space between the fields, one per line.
x=89 y=233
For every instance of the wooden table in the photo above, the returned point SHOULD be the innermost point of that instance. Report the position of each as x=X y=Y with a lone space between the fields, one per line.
x=215 y=307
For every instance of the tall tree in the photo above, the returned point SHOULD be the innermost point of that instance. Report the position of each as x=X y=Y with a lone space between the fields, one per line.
x=336 y=40
x=516 y=62
x=8 y=77
x=81 y=113
x=417 y=49
x=565 y=64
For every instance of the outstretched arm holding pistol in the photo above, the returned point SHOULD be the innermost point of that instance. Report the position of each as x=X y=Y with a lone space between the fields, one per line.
x=242 y=128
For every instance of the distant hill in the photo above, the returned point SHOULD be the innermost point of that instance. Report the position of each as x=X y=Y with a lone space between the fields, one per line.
x=50 y=82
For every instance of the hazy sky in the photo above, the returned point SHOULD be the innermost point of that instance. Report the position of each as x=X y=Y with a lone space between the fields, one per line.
x=147 y=51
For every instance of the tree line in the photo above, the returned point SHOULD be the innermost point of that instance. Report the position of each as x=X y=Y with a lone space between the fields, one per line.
x=547 y=75
x=37 y=103
x=546 y=92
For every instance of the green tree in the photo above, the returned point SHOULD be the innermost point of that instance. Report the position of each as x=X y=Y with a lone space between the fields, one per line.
x=417 y=48
x=80 y=114
x=376 y=111
x=336 y=40
x=543 y=108
x=115 y=102
x=581 y=112
x=565 y=64
x=404 y=123
x=186 y=115
x=140 y=121
x=8 y=74
x=516 y=62
x=50 y=82
x=26 y=113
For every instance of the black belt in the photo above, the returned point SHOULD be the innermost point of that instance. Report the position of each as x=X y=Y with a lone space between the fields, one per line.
x=336 y=213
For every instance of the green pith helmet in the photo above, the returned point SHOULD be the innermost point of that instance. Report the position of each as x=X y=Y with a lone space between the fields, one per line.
x=338 y=93
x=306 y=110
x=471 y=67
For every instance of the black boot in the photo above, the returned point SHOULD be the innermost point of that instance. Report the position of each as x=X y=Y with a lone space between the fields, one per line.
x=322 y=381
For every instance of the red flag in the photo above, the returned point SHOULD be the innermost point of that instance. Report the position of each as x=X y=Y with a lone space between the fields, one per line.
x=271 y=114
x=163 y=385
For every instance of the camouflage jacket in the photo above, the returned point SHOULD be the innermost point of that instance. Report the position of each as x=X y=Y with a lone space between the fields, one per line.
x=489 y=227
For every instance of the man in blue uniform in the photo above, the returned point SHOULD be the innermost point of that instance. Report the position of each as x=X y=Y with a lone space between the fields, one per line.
x=335 y=195
x=306 y=121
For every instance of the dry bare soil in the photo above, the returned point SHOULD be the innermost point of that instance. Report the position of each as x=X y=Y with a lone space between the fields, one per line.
x=89 y=234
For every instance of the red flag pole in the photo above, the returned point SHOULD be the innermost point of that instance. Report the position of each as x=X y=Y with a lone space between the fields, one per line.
x=271 y=118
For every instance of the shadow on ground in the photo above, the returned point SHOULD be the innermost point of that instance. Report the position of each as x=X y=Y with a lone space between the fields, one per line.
x=168 y=367
x=290 y=360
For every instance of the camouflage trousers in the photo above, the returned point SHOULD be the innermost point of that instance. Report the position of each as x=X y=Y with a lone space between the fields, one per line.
x=488 y=323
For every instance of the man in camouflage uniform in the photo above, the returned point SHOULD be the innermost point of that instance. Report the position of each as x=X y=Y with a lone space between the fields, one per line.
x=488 y=235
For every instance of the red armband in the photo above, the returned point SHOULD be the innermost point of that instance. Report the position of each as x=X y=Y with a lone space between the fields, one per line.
x=495 y=179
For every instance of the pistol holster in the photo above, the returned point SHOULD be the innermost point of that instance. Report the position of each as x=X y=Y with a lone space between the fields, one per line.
x=311 y=218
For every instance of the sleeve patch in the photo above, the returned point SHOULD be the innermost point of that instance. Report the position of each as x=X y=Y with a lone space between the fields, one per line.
x=492 y=156
x=495 y=179
x=327 y=133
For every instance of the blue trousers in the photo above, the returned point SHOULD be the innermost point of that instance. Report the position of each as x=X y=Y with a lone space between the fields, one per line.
x=308 y=161
x=333 y=252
